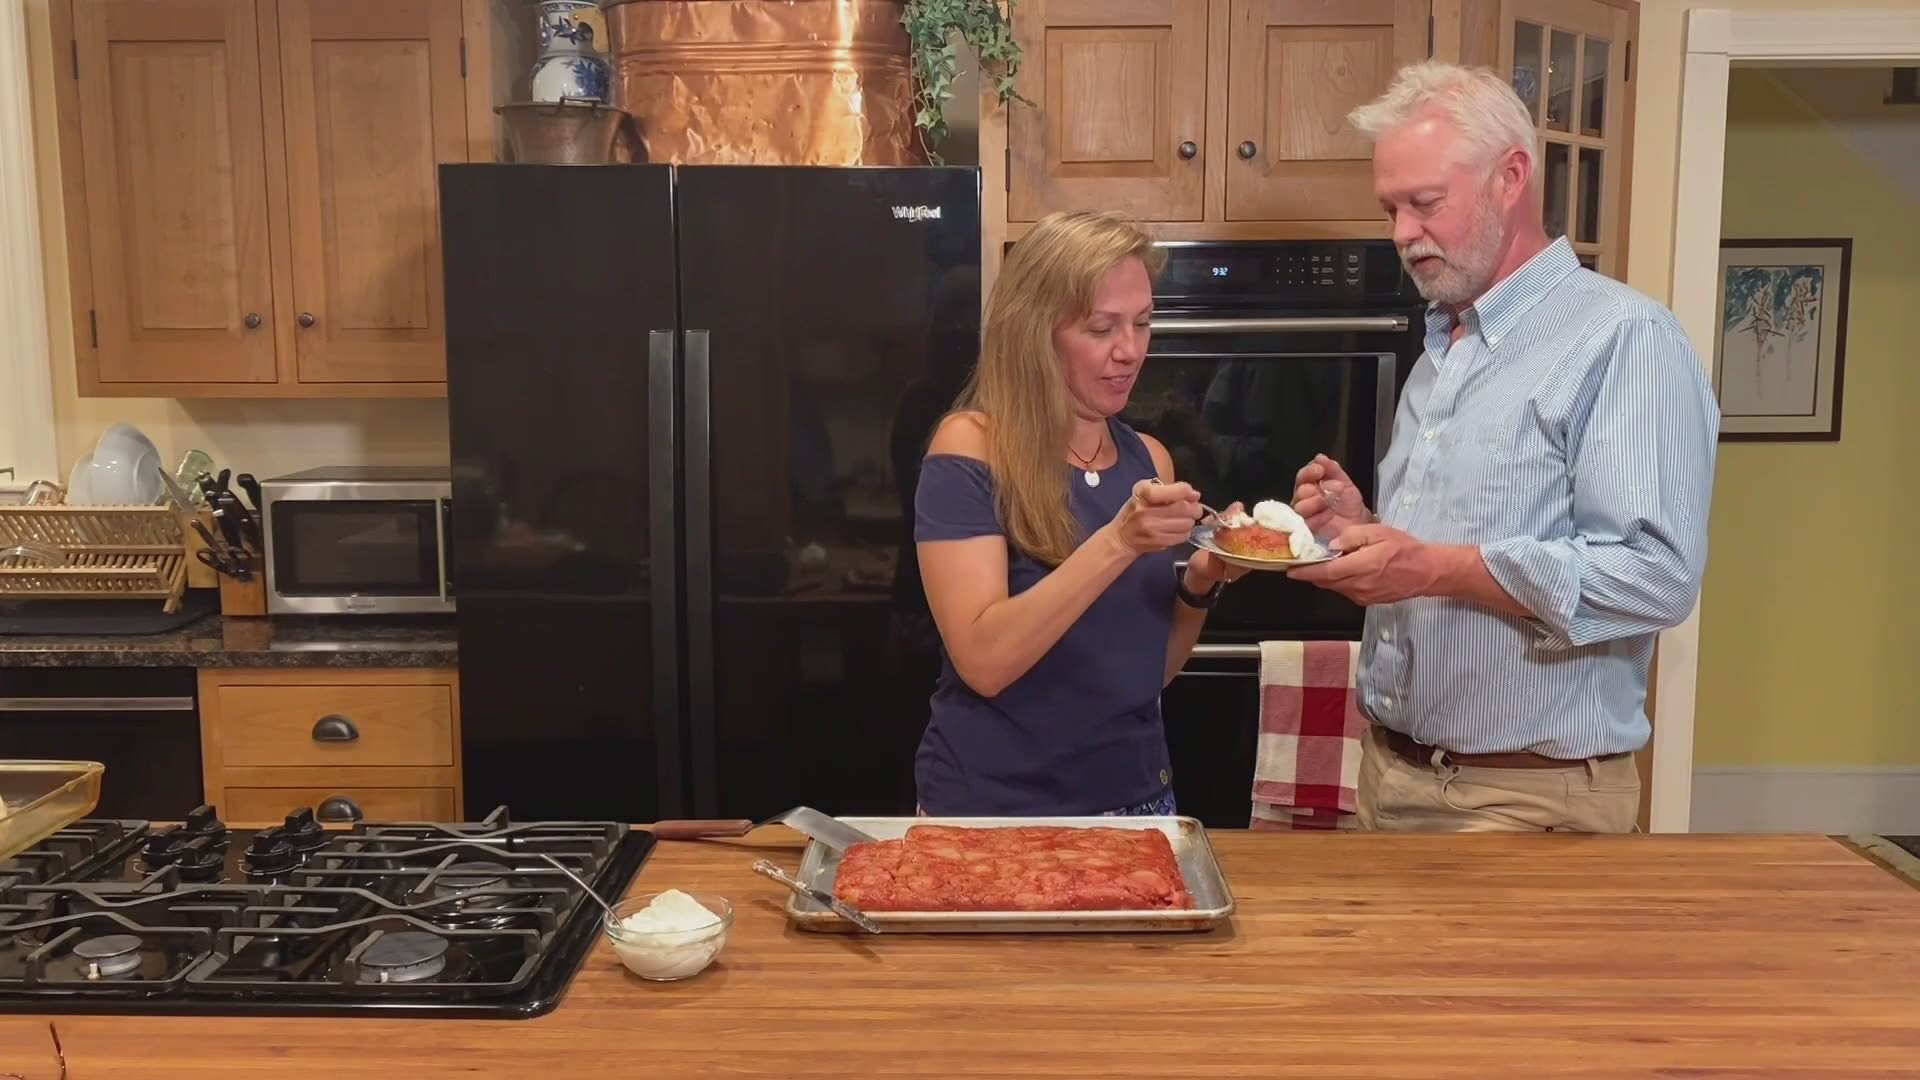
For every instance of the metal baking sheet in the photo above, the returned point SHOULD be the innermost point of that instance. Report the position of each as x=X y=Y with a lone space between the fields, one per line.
x=1212 y=899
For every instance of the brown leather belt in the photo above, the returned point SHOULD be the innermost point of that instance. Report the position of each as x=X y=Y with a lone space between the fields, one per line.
x=1420 y=754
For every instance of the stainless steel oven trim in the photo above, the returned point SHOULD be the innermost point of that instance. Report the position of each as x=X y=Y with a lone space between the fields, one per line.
x=1302 y=324
x=439 y=492
x=1225 y=652
x=95 y=704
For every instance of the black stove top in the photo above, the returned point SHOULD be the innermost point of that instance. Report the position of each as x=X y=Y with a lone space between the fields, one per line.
x=472 y=919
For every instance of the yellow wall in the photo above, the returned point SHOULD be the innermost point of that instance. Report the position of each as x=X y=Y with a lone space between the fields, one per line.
x=1804 y=660
x=262 y=437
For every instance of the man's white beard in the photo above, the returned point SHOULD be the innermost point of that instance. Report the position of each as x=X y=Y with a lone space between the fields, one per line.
x=1467 y=272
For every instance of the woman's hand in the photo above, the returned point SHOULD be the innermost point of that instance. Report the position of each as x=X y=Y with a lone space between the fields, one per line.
x=1155 y=518
x=1206 y=569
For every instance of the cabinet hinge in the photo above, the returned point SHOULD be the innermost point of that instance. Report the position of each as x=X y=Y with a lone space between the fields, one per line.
x=1629 y=77
x=1429 y=37
x=93 y=327
x=74 y=45
x=463 y=58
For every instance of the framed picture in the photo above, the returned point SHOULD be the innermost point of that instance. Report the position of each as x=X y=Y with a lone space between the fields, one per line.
x=1780 y=355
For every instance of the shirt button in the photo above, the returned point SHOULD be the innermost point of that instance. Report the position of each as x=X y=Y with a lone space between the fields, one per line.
x=1429 y=436
x=1386 y=702
x=1408 y=500
x=1386 y=634
x=1165 y=776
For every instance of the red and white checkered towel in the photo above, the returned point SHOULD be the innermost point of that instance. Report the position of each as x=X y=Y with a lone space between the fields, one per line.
x=1311 y=736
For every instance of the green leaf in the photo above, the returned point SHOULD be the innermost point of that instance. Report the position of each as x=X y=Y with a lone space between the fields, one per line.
x=987 y=31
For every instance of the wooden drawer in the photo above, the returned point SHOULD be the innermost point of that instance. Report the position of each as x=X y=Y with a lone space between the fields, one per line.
x=336 y=725
x=254 y=804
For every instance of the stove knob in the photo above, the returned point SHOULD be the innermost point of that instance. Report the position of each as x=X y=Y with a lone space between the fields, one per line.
x=302 y=832
x=204 y=821
x=161 y=848
x=199 y=861
x=269 y=854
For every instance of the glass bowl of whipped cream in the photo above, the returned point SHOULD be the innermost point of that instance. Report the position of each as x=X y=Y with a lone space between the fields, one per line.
x=664 y=936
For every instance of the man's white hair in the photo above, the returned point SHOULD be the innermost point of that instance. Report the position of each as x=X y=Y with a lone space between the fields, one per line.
x=1490 y=115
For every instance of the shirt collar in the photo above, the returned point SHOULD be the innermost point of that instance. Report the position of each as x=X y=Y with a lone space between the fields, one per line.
x=1500 y=308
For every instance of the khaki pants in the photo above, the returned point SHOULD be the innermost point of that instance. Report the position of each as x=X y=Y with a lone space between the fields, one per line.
x=1593 y=796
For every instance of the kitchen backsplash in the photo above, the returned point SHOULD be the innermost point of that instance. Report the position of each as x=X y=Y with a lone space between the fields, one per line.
x=266 y=438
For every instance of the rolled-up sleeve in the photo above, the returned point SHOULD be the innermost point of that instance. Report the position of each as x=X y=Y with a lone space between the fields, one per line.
x=1642 y=467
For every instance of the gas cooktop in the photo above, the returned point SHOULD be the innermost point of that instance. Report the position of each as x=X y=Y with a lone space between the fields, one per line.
x=478 y=919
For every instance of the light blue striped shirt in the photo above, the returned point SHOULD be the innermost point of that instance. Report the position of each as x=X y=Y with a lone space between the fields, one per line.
x=1570 y=434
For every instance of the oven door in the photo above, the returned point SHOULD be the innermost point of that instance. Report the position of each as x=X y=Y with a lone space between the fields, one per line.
x=143 y=724
x=371 y=552
x=1243 y=403
x=1212 y=716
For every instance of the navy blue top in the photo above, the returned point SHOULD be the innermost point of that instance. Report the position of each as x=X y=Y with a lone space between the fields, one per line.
x=1080 y=732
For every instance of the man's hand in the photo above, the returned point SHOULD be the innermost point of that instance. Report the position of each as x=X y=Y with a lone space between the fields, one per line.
x=1378 y=565
x=1325 y=496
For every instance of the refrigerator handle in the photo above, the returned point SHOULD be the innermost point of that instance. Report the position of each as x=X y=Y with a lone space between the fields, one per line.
x=662 y=557
x=701 y=708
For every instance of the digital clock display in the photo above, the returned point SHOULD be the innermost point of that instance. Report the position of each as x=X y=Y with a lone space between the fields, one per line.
x=1222 y=271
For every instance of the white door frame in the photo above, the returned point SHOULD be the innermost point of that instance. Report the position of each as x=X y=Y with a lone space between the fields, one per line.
x=1718 y=38
x=26 y=391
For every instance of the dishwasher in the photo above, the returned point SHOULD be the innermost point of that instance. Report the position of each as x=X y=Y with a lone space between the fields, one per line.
x=143 y=724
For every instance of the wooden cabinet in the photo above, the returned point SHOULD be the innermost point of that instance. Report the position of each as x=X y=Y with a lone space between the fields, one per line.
x=1570 y=61
x=1295 y=68
x=1201 y=119
x=373 y=744
x=251 y=191
x=1121 y=87
x=1226 y=119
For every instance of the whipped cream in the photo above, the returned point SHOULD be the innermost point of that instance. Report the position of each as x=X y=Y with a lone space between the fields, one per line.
x=1278 y=516
x=673 y=937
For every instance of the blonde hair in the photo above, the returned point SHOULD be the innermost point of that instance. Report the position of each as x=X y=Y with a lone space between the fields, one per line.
x=1489 y=114
x=1019 y=387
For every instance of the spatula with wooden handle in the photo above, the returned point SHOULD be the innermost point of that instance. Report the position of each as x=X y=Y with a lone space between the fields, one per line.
x=834 y=834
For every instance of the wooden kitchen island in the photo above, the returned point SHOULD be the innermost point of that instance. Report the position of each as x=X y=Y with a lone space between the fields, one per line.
x=1352 y=955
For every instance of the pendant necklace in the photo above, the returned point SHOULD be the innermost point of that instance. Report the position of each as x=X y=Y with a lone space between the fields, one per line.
x=1092 y=478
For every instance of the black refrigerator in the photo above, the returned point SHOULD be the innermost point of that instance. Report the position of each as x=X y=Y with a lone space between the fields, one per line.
x=687 y=406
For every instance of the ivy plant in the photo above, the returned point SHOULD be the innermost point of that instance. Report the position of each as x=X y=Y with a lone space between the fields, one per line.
x=987 y=28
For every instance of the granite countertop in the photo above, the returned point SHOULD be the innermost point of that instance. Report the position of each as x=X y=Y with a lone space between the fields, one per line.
x=215 y=641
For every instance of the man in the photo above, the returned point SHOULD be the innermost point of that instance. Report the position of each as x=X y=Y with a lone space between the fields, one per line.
x=1542 y=510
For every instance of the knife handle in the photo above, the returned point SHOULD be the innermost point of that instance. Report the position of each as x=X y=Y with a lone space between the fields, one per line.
x=697 y=828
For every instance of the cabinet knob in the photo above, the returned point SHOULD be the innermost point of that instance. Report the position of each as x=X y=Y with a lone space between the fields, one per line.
x=1247 y=150
x=252 y=320
x=305 y=319
x=338 y=808
x=1188 y=150
x=334 y=728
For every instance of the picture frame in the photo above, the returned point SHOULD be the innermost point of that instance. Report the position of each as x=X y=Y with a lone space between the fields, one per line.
x=1780 y=348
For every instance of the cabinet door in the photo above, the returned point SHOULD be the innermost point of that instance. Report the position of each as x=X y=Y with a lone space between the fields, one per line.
x=1568 y=60
x=176 y=190
x=1119 y=116
x=1297 y=67
x=374 y=102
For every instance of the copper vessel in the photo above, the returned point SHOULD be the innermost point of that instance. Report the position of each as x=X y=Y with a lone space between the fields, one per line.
x=765 y=82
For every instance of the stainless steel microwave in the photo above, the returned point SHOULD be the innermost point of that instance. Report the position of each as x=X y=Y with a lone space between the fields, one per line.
x=371 y=540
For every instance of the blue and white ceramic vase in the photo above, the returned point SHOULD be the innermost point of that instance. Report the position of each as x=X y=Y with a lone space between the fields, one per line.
x=568 y=65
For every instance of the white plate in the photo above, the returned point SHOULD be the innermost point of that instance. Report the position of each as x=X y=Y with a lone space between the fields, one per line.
x=1202 y=538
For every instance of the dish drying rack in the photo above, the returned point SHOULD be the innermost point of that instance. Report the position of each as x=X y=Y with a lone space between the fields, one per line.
x=93 y=553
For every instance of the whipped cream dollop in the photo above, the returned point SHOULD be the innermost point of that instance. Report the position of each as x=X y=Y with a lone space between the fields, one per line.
x=1278 y=516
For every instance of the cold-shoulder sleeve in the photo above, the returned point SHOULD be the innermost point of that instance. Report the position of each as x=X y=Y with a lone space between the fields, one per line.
x=954 y=500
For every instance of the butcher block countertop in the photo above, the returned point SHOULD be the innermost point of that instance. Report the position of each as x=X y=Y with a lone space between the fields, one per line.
x=1489 y=956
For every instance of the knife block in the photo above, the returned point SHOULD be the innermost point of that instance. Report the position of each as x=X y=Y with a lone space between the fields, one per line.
x=237 y=598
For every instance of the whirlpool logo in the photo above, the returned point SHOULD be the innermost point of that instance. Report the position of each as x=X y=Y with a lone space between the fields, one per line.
x=916 y=213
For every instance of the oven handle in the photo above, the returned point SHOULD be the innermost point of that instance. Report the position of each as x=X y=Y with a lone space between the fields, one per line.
x=96 y=704
x=1303 y=324
x=1226 y=652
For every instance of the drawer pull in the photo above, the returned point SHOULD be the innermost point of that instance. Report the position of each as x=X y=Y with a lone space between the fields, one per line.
x=338 y=808
x=335 y=728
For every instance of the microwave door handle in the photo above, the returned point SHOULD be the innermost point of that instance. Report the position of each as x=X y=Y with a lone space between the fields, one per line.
x=1360 y=324
x=440 y=544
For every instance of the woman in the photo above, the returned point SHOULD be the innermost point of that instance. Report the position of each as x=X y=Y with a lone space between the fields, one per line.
x=1045 y=530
